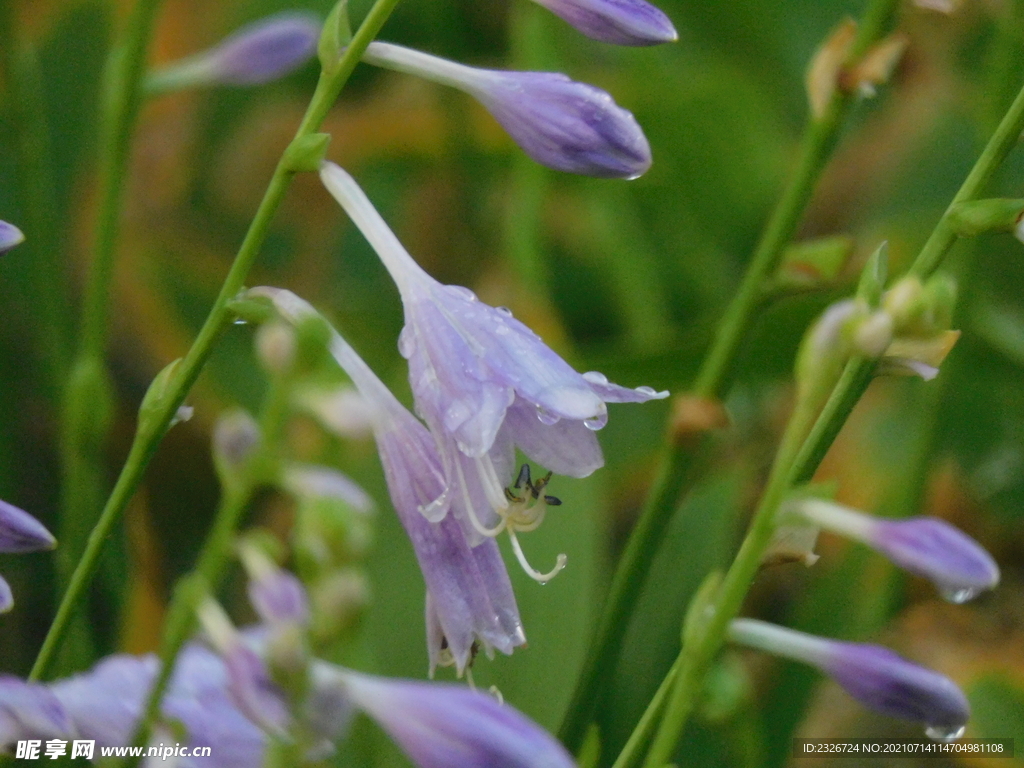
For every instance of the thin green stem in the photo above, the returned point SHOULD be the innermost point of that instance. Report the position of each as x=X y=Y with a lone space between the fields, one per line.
x=630 y=754
x=797 y=465
x=152 y=431
x=678 y=471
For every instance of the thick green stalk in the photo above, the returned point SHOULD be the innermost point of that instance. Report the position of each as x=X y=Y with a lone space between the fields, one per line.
x=793 y=468
x=153 y=429
x=679 y=473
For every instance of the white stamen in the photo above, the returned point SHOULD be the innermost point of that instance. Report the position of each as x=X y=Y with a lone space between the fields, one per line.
x=480 y=528
x=492 y=487
x=542 y=578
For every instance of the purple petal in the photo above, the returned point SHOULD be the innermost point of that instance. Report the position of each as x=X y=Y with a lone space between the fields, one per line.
x=10 y=236
x=279 y=597
x=623 y=22
x=20 y=532
x=264 y=50
x=613 y=393
x=6 y=597
x=253 y=691
x=566 y=447
x=933 y=548
x=888 y=683
x=447 y=726
x=30 y=711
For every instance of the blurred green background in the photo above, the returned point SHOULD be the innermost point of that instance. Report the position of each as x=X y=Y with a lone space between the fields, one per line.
x=624 y=277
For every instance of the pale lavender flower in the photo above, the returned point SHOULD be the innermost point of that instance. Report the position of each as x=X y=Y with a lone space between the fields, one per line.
x=874 y=675
x=957 y=564
x=469 y=594
x=10 y=236
x=448 y=726
x=105 y=704
x=623 y=22
x=19 y=532
x=258 y=53
x=566 y=125
x=485 y=383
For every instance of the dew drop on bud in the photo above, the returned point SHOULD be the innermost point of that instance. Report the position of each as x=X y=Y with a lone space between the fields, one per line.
x=240 y=321
x=463 y=292
x=959 y=594
x=945 y=732
x=504 y=311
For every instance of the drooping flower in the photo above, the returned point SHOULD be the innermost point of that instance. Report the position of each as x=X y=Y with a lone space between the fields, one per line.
x=623 y=22
x=874 y=675
x=957 y=564
x=484 y=382
x=560 y=123
x=10 y=236
x=19 y=532
x=469 y=595
x=258 y=53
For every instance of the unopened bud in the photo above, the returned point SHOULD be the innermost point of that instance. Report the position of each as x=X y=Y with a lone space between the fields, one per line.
x=342 y=411
x=827 y=65
x=338 y=602
x=975 y=217
x=874 y=334
x=236 y=437
x=876 y=66
x=903 y=302
x=10 y=236
x=622 y=22
x=275 y=347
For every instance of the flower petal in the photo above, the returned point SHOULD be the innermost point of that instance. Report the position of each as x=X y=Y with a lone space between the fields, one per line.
x=566 y=447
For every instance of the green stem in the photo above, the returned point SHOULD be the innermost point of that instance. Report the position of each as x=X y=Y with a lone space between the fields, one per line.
x=795 y=466
x=88 y=394
x=149 y=434
x=630 y=753
x=678 y=472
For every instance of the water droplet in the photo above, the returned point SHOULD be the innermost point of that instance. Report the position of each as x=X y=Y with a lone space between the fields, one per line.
x=945 y=732
x=649 y=391
x=405 y=342
x=597 y=422
x=959 y=594
x=240 y=321
x=463 y=291
x=546 y=417
x=502 y=330
x=504 y=311
x=594 y=377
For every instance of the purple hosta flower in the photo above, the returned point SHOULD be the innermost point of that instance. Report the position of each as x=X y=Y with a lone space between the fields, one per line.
x=257 y=53
x=560 y=123
x=469 y=594
x=105 y=703
x=623 y=22
x=10 y=236
x=448 y=726
x=927 y=546
x=485 y=383
x=19 y=532
x=875 y=676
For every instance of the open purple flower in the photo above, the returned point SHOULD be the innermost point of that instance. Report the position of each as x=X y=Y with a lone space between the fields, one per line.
x=10 y=236
x=19 y=532
x=560 y=123
x=957 y=564
x=872 y=674
x=258 y=53
x=485 y=383
x=623 y=22
x=469 y=596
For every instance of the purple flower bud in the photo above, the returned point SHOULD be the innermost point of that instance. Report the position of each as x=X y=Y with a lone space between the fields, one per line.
x=926 y=546
x=277 y=595
x=560 y=123
x=449 y=726
x=875 y=676
x=10 y=236
x=257 y=53
x=623 y=22
x=19 y=532
x=470 y=595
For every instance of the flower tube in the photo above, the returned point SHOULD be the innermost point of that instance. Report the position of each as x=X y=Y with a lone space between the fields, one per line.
x=560 y=123
x=878 y=678
x=927 y=546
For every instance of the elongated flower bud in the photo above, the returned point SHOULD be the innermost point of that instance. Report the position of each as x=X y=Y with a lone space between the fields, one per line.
x=258 y=53
x=10 y=236
x=927 y=546
x=874 y=675
x=566 y=125
x=19 y=532
x=623 y=22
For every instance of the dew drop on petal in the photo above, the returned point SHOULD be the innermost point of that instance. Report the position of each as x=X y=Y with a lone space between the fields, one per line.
x=405 y=342
x=593 y=377
x=546 y=417
x=945 y=732
x=504 y=311
x=463 y=291
x=597 y=422
x=959 y=594
x=649 y=391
